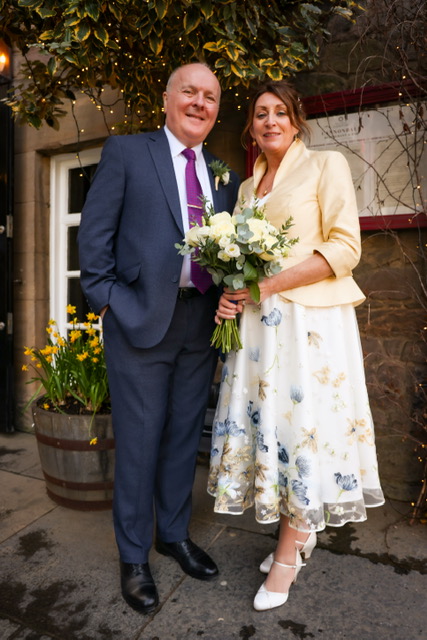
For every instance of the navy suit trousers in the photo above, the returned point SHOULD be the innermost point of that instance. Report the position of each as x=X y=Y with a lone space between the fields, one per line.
x=159 y=397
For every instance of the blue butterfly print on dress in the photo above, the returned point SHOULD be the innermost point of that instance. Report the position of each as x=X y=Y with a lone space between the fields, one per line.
x=255 y=416
x=300 y=490
x=347 y=483
x=260 y=442
x=273 y=319
x=228 y=427
x=282 y=453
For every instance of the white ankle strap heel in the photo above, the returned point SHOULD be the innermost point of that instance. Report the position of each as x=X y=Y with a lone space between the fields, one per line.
x=305 y=549
x=265 y=599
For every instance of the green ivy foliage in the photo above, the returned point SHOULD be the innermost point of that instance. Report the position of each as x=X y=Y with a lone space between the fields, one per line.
x=133 y=45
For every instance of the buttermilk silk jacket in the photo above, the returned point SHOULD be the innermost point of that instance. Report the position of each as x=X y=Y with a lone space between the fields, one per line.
x=316 y=189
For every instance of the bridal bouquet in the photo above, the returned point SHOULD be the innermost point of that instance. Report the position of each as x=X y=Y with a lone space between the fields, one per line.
x=238 y=251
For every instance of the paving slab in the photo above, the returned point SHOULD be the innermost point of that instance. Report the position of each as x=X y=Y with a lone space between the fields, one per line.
x=24 y=501
x=19 y=454
x=59 y=573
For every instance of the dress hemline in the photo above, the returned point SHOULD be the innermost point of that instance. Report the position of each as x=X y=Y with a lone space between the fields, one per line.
x=251 y=506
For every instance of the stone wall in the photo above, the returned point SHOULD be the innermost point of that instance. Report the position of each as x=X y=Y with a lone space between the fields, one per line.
x=392 y=322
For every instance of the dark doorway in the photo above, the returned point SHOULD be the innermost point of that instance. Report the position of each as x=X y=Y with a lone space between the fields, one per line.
x=6 y=284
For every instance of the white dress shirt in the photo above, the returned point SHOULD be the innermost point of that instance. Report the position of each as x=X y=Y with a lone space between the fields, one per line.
x=179 y=164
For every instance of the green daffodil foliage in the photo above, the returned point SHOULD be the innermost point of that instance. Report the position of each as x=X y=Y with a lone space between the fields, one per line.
x=73 y=46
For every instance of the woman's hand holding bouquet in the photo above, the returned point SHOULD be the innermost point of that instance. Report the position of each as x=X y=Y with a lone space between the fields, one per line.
x=238 y=251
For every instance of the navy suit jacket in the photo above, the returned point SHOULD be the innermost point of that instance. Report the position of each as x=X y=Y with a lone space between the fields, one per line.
x=130 y=223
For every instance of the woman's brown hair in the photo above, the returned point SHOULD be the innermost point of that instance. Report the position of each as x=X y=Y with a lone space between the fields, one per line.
x=288 y=95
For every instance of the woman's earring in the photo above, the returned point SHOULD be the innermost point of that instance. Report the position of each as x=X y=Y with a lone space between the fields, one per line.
x=254 y=143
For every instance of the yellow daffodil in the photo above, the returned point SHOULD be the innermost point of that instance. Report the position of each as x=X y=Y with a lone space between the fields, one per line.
x=92 y=316
x=47 y=349
x=55 y=366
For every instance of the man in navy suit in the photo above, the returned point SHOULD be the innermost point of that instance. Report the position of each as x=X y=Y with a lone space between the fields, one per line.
x=157 y=325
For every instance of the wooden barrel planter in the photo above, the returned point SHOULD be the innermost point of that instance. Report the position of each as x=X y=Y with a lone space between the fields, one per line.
x=78 y=475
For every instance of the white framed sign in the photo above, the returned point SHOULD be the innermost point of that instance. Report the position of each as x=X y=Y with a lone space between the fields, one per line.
x=386 y=150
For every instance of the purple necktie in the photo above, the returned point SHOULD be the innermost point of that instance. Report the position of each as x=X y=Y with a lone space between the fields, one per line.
x=199 y=276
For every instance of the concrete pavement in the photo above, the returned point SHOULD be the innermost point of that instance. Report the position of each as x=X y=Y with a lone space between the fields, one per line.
x=59 y=573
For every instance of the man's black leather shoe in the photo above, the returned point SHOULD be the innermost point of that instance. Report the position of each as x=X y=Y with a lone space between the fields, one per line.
x=193 y=560
x=138 y=588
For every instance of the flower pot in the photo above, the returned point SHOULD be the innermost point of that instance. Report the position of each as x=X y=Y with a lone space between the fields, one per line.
x=78 y=475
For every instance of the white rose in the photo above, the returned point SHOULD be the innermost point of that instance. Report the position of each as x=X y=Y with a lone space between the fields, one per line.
x=225 y=177
x=204 y=232
x=194 y=236
x=258 y=229
x=222 y=216
x=221 y=225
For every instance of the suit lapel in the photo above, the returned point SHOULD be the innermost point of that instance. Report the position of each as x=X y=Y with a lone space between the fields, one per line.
x=160 y=152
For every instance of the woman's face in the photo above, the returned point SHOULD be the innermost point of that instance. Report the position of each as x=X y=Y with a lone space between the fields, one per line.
x=271 y=127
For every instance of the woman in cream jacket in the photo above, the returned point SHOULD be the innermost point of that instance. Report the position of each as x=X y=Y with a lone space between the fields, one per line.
x=293 y=432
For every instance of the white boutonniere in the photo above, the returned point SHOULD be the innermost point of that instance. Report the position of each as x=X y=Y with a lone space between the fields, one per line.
x=221 y=172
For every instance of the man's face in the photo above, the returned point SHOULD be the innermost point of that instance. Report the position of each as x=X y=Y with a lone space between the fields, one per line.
x=191 y=103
